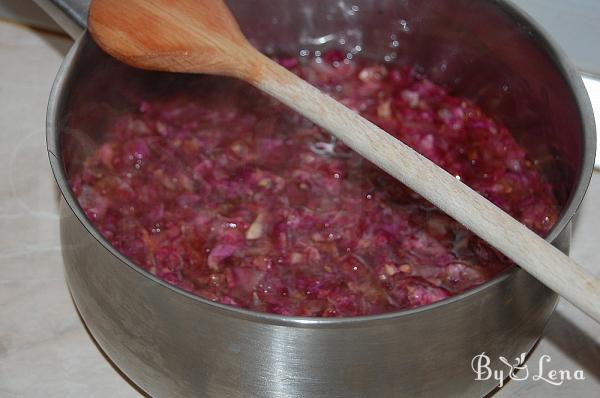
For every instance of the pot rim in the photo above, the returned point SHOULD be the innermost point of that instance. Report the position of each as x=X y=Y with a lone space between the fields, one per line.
x=538 y=34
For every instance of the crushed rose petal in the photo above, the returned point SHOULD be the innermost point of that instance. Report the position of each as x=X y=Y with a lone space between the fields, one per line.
x=233 y=197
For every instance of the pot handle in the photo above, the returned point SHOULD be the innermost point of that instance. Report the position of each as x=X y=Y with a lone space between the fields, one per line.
x=71 y=15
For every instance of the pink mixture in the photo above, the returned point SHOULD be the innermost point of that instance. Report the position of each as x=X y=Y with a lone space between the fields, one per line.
x=239 y=200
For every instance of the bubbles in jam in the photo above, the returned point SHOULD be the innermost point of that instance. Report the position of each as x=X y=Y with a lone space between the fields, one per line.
x=227 y=194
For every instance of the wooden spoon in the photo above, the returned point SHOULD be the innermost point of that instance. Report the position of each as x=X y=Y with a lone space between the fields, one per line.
x=201 y=36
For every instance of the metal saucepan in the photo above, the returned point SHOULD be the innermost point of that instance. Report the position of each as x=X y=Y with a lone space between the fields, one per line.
x=174 y=344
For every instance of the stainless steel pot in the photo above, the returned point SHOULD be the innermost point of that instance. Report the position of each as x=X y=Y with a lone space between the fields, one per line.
x=174 y=344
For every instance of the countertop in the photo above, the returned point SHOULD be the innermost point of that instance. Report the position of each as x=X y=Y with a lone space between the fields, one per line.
x=44 y=347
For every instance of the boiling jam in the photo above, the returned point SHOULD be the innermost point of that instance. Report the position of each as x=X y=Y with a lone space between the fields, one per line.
x=229 y=195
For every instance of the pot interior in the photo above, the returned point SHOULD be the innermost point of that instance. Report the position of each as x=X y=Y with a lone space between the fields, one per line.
x=477 y=50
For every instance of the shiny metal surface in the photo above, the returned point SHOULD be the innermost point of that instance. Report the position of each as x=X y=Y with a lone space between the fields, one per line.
x=174 y=344
x=71 y=15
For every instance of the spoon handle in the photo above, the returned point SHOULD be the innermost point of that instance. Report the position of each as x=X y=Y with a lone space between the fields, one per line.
x=534 y=254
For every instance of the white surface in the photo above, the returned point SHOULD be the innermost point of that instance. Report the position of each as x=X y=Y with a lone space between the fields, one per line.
x=593 y=88
x=574 y=26
x=44 y=348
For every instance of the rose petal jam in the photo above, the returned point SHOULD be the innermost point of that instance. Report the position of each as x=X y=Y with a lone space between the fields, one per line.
x=231 y=196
